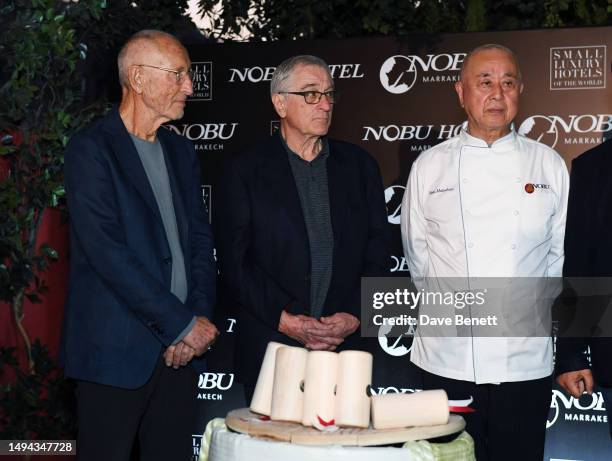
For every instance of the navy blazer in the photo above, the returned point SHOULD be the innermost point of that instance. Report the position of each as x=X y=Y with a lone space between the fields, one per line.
x=588 y=252
x=120 y=312
x=263 y=247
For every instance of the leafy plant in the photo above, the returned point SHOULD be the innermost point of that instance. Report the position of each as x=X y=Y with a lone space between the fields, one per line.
x=38 y=403
x=40 y=107
x=297 y=19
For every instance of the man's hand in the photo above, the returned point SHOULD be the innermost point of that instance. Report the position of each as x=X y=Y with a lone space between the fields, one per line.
x=576 y=382
x=202 y=335
x=309 y=331
x=178 y=355
x=342 y=324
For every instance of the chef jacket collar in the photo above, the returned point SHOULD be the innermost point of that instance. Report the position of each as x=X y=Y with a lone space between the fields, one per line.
x=504 y=144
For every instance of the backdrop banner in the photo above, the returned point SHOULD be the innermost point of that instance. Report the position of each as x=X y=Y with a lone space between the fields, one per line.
x=397 y=99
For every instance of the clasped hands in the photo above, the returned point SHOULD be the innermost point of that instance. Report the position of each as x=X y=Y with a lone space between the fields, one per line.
x=577 y=382
x=325 y=334
x=201 y=336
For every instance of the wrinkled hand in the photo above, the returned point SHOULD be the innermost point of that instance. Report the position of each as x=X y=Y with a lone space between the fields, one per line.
x=178 y=355
x=309 y=331
x=202 y=334
x=576 y=382
x=337 y=326
x=341 y=324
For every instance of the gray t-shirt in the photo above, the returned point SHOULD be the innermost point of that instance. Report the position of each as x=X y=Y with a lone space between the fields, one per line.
x=152 y=157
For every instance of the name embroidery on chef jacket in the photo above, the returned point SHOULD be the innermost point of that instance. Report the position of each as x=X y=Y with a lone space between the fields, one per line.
x=438 y=190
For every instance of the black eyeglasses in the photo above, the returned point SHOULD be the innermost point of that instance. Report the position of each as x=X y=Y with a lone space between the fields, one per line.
x=179 y=74
x=313 y=97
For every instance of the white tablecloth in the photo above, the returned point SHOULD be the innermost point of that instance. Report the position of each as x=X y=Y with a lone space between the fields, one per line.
x=226 y=445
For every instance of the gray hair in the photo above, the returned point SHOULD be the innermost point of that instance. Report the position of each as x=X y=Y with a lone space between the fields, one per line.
x=147 y=35
x=491 y=46
x=285 y=69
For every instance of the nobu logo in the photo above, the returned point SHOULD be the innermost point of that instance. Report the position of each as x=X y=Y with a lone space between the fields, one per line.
x=207 y=131
x=221 y=381
x=530 y=188
x=398 y=73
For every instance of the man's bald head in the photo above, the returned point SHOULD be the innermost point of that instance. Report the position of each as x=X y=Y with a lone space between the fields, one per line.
x=141 y=48
x=487 y=47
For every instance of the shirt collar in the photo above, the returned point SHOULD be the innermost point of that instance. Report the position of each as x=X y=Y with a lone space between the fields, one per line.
x=322 y=155
x=503 y=144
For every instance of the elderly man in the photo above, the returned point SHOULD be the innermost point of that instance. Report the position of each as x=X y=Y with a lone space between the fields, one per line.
x=302 y=219
x=471 y=209
x=142 y=280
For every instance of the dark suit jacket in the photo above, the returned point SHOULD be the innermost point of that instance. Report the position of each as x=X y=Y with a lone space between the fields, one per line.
x=263 y=246
x=588 y=251
x=120 y=312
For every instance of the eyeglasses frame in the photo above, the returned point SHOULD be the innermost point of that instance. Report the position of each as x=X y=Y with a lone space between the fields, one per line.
x=179 y=74
x=334 y=94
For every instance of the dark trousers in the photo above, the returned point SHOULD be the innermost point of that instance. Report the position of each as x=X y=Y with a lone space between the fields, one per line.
x=161 y=415
x=510 y=418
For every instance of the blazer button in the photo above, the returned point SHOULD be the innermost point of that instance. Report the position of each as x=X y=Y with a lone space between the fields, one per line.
x=168 y=260
x=307 y=278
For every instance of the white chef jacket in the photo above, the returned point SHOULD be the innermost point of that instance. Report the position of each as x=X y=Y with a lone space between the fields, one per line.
x=466 y=213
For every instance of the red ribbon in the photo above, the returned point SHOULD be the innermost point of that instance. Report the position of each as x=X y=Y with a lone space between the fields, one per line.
x=461 y=410
x=324 y=423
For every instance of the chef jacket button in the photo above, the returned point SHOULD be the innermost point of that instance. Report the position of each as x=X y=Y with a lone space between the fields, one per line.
x=513 y=246
x=516 y=212
x=470 y=245
x=465 y=179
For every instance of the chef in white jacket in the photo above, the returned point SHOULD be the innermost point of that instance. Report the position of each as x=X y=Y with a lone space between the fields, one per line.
x=489 y=203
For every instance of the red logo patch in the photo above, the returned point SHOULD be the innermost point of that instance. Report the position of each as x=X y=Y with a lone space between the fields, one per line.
x=529 y=188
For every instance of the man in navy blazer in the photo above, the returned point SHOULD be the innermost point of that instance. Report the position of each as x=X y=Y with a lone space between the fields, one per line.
x=142 y=275
x=301 y=219
x=588 y=253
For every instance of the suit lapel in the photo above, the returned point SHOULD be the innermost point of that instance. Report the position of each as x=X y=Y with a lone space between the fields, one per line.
x=602 y=191
x=125 y=152
x=283 y=186
x=338 y=200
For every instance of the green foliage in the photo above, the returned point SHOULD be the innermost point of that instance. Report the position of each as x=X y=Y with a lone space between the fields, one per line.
x=121 y=18
x=38 y=404
x=433 y=16
x=475 y=17
x=46 y=49
x=295 y=19
x=44 y=46
x=567 y=13
x=39 y=109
